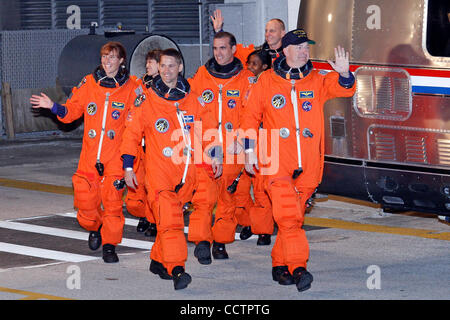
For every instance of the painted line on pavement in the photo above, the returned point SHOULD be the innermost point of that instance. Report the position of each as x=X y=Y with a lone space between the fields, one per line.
x=348 y=225
x=32 y=295
x=44 y=253
x=319 y=222
x=35 y=186
x=78 y=235
x=134 y=223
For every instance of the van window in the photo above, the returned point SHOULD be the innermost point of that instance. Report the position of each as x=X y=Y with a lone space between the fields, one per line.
x=383 y=93
x=438 y=28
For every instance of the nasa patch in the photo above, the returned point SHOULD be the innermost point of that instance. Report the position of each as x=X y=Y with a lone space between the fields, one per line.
x=91 y=108
x=162 y=125
x=306 y=106
x=115 y=114
x=278 y=101
x=208 y=96
x=231 y=103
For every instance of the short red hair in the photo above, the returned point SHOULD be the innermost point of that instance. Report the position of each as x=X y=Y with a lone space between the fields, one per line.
x=116 y=47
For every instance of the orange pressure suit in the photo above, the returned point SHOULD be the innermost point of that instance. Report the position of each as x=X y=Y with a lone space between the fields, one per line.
x=136 y=199
x=166 y=151
x=258 y=211
x=242 y=52
x=231 y=89
x=100 y=101
x=270 y=102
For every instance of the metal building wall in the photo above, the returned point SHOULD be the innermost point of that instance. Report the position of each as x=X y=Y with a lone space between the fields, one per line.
x=35 y=14
x=178 y=19
x=29 y=53
x=47 y=14
x=132 y=14
x=29 y=61
x=29 y=57
x=88 y=8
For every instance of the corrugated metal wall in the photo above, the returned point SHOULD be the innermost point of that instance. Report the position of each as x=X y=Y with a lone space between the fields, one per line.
x=133 y=14
x=30 y=47
x=178 y=19
x=88 y=8
x=35 y=14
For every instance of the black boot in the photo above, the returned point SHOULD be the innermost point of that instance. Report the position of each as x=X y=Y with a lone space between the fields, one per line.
x=246 y=233
x=142 y=225
x=109 y=253
x=219 y=251
x=282 y=276
x=203 y=252
x=263 y=240
x=181 y=279
x=158 y=268
x=151 y=231
x=95 y=239
x=302 y=278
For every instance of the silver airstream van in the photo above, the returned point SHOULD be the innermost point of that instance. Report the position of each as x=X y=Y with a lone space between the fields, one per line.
x=390 y=143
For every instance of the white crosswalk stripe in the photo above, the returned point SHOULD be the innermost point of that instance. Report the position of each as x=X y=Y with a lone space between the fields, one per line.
x=44 y=253
x=134 y=222
x=79 y=235
x=27 y=225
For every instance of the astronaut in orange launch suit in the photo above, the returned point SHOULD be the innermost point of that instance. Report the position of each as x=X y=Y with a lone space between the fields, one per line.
x=136 y=199
x=223 y=84
x=274 y=31
x=289 y=101
x=169 y=120
x=104 y=98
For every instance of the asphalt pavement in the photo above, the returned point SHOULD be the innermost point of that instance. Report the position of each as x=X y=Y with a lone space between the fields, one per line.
x=357 y=251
